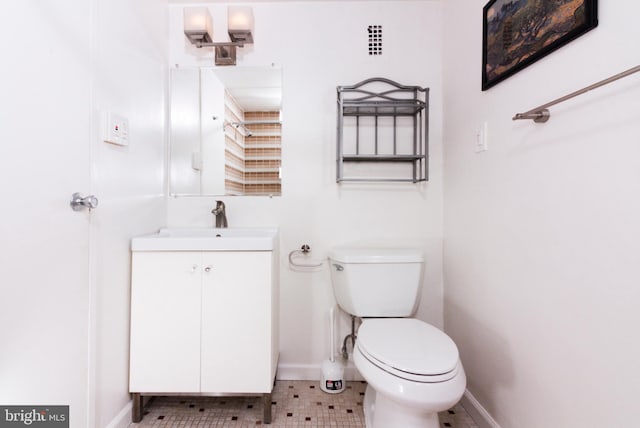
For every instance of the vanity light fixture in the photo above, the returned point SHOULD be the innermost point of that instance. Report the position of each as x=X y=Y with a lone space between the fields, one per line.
x=198 y=28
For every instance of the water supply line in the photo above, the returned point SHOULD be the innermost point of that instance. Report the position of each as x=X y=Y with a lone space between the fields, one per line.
x=352 y=336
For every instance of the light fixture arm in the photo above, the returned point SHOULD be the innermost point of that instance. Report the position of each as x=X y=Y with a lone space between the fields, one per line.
x=199 y=44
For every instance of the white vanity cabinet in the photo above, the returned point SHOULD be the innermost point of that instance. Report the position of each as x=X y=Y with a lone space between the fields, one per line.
x=204 y=323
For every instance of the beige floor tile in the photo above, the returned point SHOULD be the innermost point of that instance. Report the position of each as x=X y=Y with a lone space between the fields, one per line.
x=294 y=404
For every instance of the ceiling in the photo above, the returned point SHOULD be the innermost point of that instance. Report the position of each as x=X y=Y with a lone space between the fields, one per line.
x=254 y=88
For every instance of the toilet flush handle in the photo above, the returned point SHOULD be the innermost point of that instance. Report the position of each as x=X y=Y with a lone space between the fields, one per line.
x=338 y=267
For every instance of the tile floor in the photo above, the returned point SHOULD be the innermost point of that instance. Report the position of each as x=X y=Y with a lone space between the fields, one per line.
x=295 y=404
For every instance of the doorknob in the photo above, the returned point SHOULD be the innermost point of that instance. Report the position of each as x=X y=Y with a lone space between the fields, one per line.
x=78 y=203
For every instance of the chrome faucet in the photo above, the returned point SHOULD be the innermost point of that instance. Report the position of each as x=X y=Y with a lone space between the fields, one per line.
x=221 y=215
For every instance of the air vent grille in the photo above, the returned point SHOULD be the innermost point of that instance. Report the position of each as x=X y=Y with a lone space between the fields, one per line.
x=375 y=39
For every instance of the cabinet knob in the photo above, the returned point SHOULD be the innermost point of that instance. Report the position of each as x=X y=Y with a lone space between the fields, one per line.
x=208 y=269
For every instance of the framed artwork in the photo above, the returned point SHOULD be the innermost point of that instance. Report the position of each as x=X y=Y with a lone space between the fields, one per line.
x=517 y=33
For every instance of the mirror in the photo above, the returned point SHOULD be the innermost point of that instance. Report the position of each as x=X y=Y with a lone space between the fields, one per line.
x=226 y=131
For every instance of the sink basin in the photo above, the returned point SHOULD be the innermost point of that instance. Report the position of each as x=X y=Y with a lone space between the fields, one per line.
x=208 y=239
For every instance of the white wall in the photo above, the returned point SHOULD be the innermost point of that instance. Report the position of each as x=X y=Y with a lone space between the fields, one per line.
x=185 y=119
x=131 y=79
x=212 y=180
x=321 y=45
x=64 y=276
x=541 y=231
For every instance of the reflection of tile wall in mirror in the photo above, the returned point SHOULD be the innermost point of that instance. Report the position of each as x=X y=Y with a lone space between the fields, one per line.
x=263 y=153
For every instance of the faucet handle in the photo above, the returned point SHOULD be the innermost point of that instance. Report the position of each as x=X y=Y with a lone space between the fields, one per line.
x=219 y=208
x=220 y=213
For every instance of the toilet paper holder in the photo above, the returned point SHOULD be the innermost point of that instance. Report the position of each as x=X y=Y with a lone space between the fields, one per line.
x=304 y=251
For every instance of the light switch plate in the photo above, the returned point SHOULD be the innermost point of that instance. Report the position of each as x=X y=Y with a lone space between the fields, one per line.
x=116 y=129
x=481 y=139
x=196 y=161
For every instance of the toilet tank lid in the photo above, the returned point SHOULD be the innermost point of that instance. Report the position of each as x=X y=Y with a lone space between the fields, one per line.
x=376 y=255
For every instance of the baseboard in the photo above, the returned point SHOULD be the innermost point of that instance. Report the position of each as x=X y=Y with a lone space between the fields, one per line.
x=313 y=372
x=477 y=412
x=122 y=419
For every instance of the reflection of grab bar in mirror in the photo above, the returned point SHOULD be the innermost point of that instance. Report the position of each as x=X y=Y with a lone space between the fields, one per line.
x=240 y=126
x=260 y=122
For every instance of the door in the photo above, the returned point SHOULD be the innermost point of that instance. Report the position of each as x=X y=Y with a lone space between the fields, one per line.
x=45 y=112
x=236 y=322
x=165 y=322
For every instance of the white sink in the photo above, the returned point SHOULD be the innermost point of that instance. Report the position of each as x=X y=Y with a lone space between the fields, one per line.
x=208 y=239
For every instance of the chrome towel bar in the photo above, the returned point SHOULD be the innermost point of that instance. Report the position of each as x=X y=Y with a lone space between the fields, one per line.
x=541 y=113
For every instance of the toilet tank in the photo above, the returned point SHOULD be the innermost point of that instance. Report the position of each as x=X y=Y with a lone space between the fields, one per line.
x=376 y=282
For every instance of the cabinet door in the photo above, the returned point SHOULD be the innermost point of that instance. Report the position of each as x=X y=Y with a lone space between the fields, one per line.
x=165 y=322
x=236 y=322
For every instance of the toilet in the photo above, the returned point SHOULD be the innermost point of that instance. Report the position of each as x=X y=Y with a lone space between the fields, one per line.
x=412 y=369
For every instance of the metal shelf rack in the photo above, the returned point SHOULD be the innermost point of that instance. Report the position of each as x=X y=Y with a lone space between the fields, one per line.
x=382 y=122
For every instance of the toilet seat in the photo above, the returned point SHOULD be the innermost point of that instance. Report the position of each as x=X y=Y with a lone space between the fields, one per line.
x=408 y=348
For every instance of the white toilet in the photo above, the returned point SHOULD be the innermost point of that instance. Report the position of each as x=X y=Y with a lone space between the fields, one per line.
x=413 y=369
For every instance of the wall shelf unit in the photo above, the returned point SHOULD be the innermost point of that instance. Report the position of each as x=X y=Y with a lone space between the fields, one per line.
x=383 y=131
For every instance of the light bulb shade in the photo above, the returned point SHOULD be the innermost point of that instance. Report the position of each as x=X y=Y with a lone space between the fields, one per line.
x=198 y=26
x=240 y=24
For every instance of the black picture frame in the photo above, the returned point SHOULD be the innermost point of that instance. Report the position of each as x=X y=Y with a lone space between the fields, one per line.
x=517 y=33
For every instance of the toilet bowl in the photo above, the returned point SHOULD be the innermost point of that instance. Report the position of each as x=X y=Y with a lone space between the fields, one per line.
x=412 y=369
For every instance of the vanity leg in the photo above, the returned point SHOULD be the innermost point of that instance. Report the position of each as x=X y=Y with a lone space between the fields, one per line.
x=266 y=403
x=136 y=412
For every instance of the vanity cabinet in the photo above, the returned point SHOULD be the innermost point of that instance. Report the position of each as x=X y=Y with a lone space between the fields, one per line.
x=203 y=323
